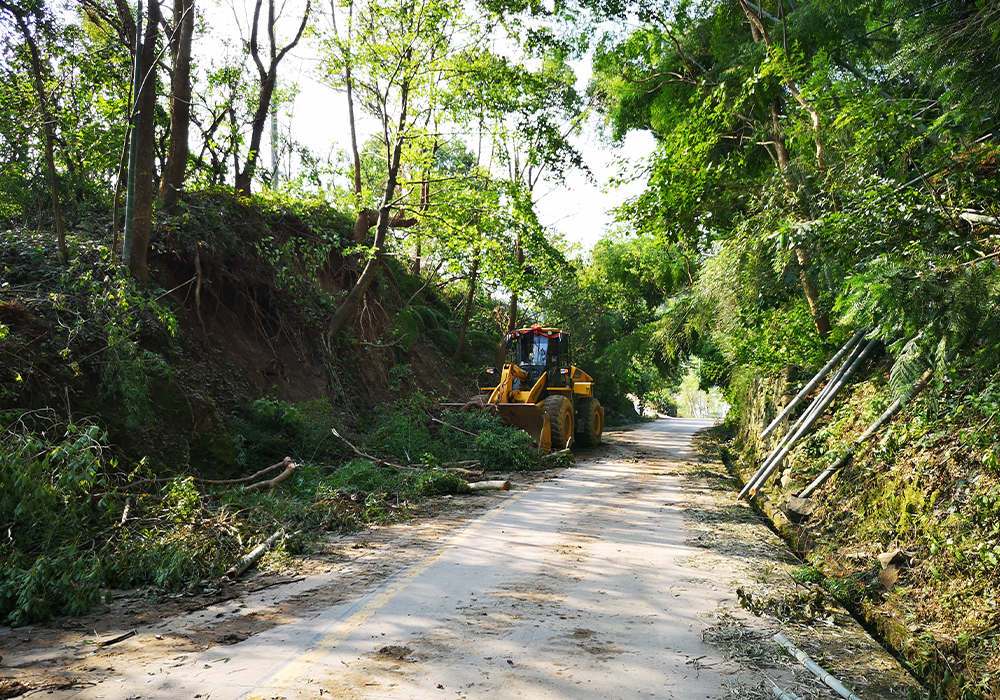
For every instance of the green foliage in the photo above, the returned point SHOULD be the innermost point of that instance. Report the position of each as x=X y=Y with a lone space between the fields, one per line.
x=64 y=498
x=611 y=304
x=361 y=475
x=405 y=433
x=807 y=574
x=268 y=430
x=503 y=448
x=48 y=568
x=364 y=475
x=438 y=482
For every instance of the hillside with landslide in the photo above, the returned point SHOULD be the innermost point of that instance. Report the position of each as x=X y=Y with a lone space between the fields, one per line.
x=123 y=403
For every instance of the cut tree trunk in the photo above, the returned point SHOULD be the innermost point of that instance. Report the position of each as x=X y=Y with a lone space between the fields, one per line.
x=254 y=556
x=489 y=486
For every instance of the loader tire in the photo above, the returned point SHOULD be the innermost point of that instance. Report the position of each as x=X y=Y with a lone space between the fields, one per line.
x=560 y=412
x=590 y=423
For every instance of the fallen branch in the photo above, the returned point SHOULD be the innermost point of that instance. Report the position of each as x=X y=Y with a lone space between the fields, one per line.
x=119 y=638
x=454 y=427
x=255 y=555
x=286 y=462
x=272 y=484
x=275 y=583
x=216 y=482
x=462 y=471
x=370 y=458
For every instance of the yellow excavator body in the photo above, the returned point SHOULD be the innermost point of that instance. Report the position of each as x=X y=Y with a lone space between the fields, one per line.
x=541 y=392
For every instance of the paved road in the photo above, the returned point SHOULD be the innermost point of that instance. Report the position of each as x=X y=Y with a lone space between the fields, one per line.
x=577 y=588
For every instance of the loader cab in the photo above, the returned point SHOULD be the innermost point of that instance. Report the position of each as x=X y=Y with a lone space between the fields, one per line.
x=539 y=350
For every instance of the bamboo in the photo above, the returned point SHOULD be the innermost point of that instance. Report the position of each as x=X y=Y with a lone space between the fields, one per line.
x=784 y=694
x=886 y=416
x=827 y=399
x=818 y=670
x=801 y=419
x=807 y=389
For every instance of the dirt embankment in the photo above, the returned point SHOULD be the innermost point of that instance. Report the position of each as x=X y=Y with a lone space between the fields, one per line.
x=240 y=314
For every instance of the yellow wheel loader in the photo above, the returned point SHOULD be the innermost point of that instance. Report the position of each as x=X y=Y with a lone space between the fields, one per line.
x=540 y=391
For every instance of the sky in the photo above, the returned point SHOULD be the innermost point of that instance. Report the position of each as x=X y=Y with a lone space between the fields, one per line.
x=578 y=209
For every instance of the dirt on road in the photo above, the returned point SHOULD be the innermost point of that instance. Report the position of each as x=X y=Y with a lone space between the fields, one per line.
x=734 y=558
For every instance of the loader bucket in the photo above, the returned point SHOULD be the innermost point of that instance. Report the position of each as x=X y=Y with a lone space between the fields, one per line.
x=529 y=418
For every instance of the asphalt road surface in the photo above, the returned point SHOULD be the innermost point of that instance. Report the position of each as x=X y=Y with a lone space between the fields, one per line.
x=579 y=587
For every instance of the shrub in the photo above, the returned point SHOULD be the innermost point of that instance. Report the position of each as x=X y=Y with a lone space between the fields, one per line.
x=268 y=430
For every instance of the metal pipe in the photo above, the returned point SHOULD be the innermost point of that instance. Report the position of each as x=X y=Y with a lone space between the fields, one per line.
x=806 y=415
x=814 y=382
x=818 y=670
x=815 y=414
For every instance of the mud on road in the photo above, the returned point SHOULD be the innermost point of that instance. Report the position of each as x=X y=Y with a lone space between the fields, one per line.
x=735 y=559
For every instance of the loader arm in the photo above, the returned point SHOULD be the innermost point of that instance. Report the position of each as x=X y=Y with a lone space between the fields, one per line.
x=504 y=388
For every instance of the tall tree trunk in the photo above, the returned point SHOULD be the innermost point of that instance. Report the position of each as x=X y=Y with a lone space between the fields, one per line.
x=245 y=176
x=345 y=313
x=760 y=33
x=512 y=309
x=778 y=137
x=418 y=252
x=268 y=77
x=519 y=257
x=38 y=74
x=145 y=144
x=809 y=287
x=180 y=105
x=470 y=301
x=820 y=317
x=354 y=132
